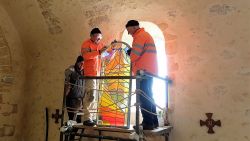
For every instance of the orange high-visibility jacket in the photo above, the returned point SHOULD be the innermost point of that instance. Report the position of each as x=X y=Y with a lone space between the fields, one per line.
x=143 y=54
x=92 y=58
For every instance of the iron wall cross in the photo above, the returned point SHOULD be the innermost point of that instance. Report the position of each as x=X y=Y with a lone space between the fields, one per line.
x=57 y=116
x=210 y=123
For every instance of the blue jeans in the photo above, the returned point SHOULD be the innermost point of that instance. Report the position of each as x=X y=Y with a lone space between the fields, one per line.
x=148 y=118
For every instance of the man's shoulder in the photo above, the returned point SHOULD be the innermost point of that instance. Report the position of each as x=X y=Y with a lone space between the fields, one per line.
x=102 y=43
x=86 y=43
x=144 y=35
x=69 y=70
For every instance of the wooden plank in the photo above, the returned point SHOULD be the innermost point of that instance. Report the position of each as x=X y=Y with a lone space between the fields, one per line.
x=109 y=129
x=158 y=131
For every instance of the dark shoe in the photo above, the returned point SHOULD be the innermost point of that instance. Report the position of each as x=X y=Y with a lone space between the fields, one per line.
x=141 y=124
x=145 y=127
x=89 y=123
x=156 y=125
x=148 y=127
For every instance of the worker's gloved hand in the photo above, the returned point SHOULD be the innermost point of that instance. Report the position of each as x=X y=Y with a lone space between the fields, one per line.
x=103 y=49
x=128 y=51
x=113 y=42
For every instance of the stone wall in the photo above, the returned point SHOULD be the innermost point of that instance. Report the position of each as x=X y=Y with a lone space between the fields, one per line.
x=12 y=77
x=207 y=43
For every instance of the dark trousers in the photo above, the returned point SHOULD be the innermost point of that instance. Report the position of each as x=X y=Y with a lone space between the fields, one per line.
x=148 y=118
x=71 y=117
x=73 y=103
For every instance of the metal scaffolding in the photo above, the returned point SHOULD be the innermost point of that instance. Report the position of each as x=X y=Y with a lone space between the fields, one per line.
x=114 y=101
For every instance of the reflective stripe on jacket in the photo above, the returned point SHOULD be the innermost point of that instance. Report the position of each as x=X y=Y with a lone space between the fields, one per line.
x=143 y=53
x=92 y=58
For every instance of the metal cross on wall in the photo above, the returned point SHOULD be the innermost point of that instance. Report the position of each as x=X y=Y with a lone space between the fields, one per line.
x=210 y=123
x=57 y=116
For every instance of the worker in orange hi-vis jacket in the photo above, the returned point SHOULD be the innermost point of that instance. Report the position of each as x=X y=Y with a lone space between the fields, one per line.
x=91 y=50
x=143 y=57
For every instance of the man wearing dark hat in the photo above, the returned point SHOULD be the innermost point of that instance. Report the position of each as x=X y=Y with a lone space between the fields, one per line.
x=143 y=57
x=74 y=90
x=91 y=50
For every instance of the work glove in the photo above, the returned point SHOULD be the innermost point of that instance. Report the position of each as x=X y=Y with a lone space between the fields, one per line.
x=113 y=42
x=128 y=51
x=103 y=49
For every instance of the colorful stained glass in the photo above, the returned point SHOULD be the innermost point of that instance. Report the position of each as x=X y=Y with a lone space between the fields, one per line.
x=114 y=101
